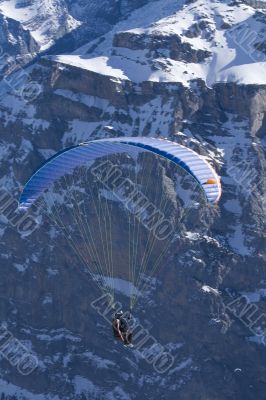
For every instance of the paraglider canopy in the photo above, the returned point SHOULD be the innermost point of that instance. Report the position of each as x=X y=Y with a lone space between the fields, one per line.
x=65 y=161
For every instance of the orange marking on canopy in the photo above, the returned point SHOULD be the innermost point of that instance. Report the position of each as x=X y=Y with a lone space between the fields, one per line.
x=211 y=181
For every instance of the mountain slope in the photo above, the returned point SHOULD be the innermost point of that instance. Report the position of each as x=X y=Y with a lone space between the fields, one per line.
x=213 y=41
x=46 y=20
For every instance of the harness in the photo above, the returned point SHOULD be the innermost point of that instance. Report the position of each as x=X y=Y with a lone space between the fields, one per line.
x=123 y=326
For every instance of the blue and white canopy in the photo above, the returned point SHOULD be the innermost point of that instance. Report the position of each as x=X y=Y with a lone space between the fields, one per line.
x=66 y=161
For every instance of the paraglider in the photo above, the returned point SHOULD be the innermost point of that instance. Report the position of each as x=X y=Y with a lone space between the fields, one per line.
x=102 y=192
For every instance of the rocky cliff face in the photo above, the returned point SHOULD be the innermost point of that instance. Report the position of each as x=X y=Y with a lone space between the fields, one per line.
x=256 y=3
x=158 y=45
x=58 y=26
x=168 y=78
x=99 y=95
x=17 y=45
x=46 y=21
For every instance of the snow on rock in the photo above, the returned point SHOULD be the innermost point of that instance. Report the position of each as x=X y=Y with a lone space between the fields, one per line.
x=20 y=267
x=8 y=389
x=258 y=339
x=209 y=289
x=47 y=20
x=96 y=361
x=25 y=148
x=212 y=40
x=56 y=335
x=120 y=285
x=256 y=296
x=182 y=365
x=84 y=386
